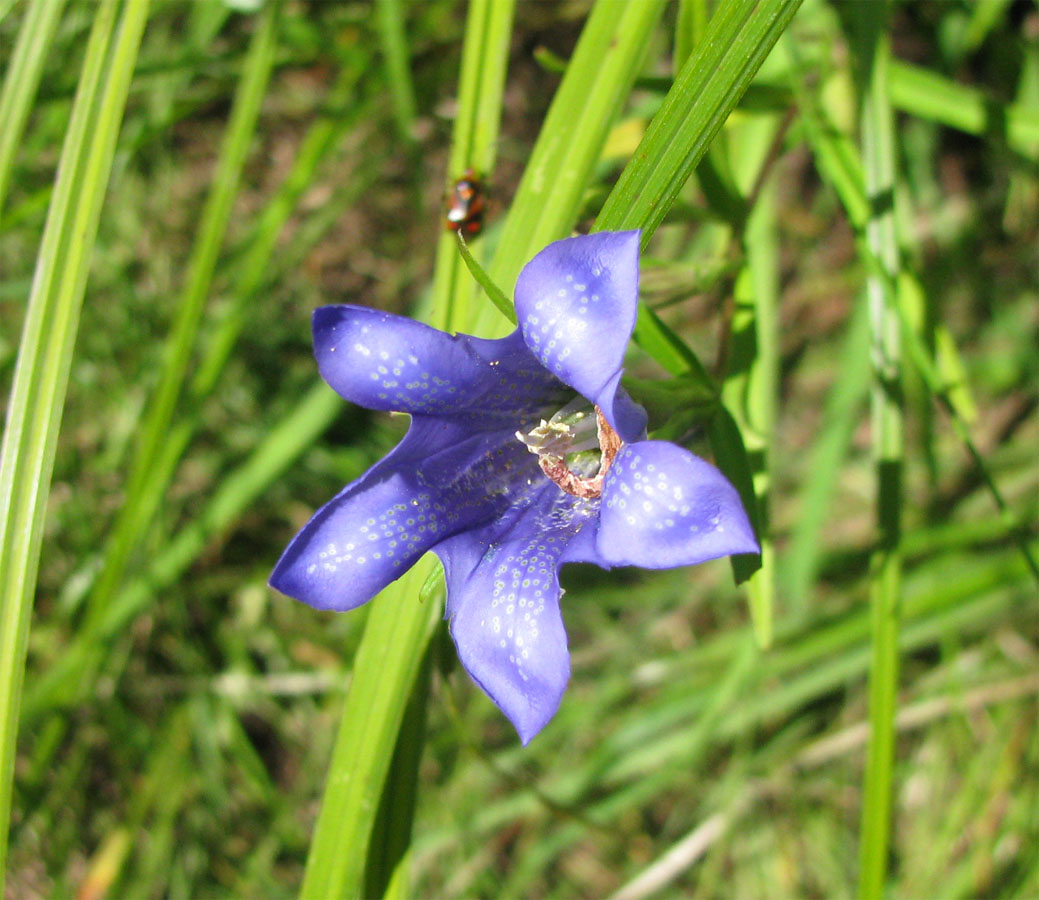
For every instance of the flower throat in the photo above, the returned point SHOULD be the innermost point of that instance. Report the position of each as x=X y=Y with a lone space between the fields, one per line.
x=574 y=458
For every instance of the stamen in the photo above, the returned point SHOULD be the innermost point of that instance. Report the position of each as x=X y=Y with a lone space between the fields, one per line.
x=552 y=438
x=589 y=443
x=553 y=441
x=578 y=405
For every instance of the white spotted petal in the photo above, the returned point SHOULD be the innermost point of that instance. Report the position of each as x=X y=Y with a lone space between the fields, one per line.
x=503 y=605
x=462 y=484
x=437 y=481
x=576 y=302
x=663 y=507
x=387 y=362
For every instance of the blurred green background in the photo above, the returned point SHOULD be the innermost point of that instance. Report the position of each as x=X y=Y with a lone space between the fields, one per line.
x=177 y=716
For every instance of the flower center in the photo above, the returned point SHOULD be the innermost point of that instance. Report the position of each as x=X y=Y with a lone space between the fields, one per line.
x=570 y=453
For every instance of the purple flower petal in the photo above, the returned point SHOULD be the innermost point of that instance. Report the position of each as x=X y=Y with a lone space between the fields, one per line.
x=503 y=604
x=462 y=484
x=662 y=507
x=576 y=302
x=359 y=542
x=387 y=362
x=433 y=484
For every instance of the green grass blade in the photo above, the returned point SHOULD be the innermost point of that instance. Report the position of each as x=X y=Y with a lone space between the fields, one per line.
x=879 y=161
x=284 y=443
x=474 y=146
x=253 y=271
x=387 y=863
x=841 y=413
x=44 y=359
x=730 y=455
x=835 y=153
x=690 y=25
x=140 y=502
x=921 y=92
x=944 y=393
x=389 y=16
x=839 y=162
x=753 y=386
x=739 y=37
x=315 y=411
x=390 y=656
x=22 y=80
x=601 y=72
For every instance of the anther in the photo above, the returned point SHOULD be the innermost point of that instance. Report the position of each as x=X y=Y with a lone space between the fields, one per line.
x=556 y=469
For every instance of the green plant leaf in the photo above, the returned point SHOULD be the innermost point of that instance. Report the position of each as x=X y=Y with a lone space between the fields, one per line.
x=45 y=354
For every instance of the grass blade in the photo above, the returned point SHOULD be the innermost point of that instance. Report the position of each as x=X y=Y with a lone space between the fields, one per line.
x=921 y=92
x=385 y=668
x=283 y=444
x=44 y=358
x=22 y=80
x=141 y=498
x=474 y=147
x=878 y=156
x=389 y=16
x=753 y=387
x=739 y=37
x=844 y=403
x=387 y=864
x=601 y=72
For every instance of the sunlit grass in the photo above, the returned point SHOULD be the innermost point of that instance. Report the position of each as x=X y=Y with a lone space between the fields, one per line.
x=178 y=718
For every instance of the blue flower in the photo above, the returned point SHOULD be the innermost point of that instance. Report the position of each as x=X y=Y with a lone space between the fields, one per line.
x=524 y=453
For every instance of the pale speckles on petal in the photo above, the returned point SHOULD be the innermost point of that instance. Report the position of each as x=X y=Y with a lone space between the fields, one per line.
x=505 y=616
x=462 y=485
x=662 y=506
x=517 y=604
x=396 y=535
x=576 y=303
x=388 y=362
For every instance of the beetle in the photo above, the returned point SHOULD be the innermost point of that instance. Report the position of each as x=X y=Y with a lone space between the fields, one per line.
x=466 y=204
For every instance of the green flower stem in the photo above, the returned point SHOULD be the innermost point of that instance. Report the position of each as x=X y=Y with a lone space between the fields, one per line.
x=45 y=354
x=878 y=156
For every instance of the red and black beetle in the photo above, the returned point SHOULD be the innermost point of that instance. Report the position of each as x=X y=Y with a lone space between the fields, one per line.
x=466 y=204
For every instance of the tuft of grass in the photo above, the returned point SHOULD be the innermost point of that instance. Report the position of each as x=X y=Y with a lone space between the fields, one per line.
x=179 y=721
